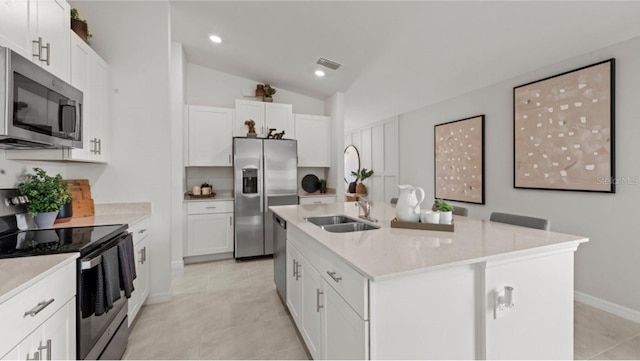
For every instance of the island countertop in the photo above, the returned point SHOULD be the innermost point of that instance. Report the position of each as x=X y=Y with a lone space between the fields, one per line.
x=393 y=252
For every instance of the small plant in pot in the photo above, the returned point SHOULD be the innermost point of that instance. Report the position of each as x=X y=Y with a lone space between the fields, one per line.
x=79 y=26
x=445 y=209
x=361 y=175
x=46 y=194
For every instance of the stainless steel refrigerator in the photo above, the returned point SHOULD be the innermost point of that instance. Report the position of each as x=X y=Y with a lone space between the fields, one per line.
x=265 y=173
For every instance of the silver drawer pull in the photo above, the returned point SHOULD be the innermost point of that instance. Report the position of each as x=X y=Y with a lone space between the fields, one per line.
x=142 y=230
x=210 y=207
x=41 y=306
x=318 y=294
x=333 y=275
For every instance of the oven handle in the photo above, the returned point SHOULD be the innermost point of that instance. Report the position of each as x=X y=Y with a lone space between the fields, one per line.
x=89 y=264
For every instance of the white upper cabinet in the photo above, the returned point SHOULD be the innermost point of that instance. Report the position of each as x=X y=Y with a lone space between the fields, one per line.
x=279 y=117
x=266 y=115
x=38 y=30
x=53 y=24
x=209 y=136
x=314 y=140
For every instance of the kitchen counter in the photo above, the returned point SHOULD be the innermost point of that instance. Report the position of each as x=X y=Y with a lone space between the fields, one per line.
x=392 y=252
x=20 y=273
x=222 y=196
x=111 y=213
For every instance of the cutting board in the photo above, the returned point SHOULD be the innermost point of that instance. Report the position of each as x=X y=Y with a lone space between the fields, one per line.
x=81 y=200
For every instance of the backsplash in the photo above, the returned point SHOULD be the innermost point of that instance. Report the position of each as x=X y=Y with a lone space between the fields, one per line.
x=221 y=178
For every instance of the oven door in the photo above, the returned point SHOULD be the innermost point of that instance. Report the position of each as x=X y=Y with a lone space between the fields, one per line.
x=94 y=333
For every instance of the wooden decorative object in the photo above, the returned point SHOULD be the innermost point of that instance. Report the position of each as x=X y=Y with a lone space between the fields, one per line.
x=459 y=160
x=81 y=200
x=81 y=29
x=564 y=131
x=361 y=188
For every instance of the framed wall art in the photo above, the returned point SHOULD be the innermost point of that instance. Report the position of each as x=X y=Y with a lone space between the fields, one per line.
x=563 y=131
x=459 y=160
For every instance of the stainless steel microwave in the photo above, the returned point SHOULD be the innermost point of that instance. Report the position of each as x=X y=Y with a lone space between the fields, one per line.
x=38 y=109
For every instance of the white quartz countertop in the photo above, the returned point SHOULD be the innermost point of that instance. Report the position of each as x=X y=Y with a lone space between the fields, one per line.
x=20 y=273
x=393 y=252
x=111 y=213
x=221 y=196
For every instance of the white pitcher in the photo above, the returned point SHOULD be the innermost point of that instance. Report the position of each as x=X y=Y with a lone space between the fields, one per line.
x=408 y=206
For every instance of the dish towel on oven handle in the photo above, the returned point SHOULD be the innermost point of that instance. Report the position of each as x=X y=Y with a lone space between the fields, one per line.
x=127 y=259
x=110 y=286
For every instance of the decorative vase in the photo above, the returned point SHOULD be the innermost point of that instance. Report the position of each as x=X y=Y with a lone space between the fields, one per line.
x=81 y=29
x=260 y=91
x=352 y=187
x=267 y=99
x=446 y=217
x=65 y=213
x=408 y=206
x=361 y=188
x=46 y=219
x=252 y=135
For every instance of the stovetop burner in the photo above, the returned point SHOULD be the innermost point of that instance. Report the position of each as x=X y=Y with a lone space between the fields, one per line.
x=58 y=240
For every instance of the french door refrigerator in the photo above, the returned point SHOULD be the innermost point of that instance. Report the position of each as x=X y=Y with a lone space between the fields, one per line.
x=265 y=173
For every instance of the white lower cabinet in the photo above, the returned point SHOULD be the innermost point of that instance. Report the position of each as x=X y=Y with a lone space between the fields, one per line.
x=40 y=322
x=209 y=228
x=345 y=334
x=330 y=326
x=140 y=232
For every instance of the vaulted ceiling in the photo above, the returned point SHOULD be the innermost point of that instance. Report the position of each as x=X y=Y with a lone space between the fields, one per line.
x=397 y=56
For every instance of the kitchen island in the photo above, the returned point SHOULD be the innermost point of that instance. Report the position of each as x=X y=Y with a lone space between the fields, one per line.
x=396 y=293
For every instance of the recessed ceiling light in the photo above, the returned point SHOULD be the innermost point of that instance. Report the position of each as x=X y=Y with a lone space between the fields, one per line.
x=216 y=39
x=319 y=73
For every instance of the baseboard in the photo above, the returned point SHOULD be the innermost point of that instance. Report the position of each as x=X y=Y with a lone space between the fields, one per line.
x=208 y=258
x=607 y=306
x=159 y=298
x=177 y=268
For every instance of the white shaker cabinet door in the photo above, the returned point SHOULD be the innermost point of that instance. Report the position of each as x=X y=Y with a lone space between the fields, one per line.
x=314 y=141
x=209 y=136
x=312 y=304
x=245 y=110
x=294 y=284
x=209 y=233
x=346 y=335
x=14 y=26
x=280 y=117
x=53 y=27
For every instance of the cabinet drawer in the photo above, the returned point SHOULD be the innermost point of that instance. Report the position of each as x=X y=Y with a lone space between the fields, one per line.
x=317 y=200
x=209 y=207
x=346 y=281
x=59 y=287
x=140 y=230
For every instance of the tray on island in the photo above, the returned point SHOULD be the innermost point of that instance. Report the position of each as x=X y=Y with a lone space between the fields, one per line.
x=197 y=196
x=395 y=223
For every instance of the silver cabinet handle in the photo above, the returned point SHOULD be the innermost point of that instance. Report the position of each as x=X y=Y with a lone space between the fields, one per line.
x=229 y=158
x=231 y=220
x=294 y=268
x=210 y=207
x=100 y=146
x=39 y=44
x=318 y=294
x=317 y=202
x=298 y=266
x=333 y=275
x=41 y=306
x=142 y=230
x=48 y=47
x=144 y=254
x=141 y=256
x=93 y=146
x=47 y=347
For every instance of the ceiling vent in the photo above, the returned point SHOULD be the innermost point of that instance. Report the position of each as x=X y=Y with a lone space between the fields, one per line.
x=329 y=63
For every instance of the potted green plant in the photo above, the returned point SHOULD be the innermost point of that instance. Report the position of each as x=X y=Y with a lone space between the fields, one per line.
x=445 y=209
x=46 y=196
x=79 y=26
x=361 y=175
x=323 y=185
x=268 y=93
x=251 y=124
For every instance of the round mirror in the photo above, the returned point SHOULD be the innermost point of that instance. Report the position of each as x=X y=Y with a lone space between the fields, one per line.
x=351 y=163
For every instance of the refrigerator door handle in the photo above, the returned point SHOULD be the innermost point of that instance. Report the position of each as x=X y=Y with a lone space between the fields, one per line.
x=262 y=170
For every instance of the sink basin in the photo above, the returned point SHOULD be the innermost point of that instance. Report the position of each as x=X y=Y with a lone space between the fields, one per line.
x=348 y=227
x=340 y=224
x=327 y=220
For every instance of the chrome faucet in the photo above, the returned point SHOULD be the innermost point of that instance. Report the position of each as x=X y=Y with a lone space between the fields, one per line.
x=365 y=206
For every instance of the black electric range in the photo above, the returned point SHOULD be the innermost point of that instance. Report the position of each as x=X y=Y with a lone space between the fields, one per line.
x=39 y=242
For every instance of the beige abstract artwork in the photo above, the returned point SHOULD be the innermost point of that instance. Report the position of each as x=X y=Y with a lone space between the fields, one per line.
x=563 y=131
x=459 y=160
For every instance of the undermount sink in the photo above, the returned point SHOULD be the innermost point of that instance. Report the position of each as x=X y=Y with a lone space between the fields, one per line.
x=340 y=224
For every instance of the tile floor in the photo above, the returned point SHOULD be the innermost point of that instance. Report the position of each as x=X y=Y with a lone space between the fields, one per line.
x=229 y=310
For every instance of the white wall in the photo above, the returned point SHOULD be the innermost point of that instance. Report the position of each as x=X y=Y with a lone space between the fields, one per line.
x=178 y=66
x=335 y=108
x=11 y=170
x=607 y=267
x=134 y=39
x=210 y=87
